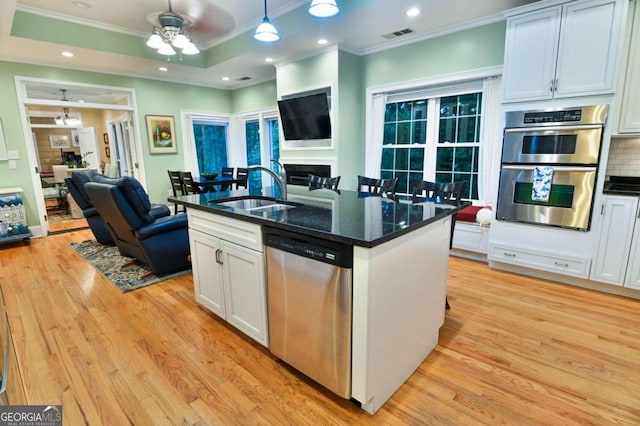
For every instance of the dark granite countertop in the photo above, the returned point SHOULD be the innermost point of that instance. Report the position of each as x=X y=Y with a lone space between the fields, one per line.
x=347 y=216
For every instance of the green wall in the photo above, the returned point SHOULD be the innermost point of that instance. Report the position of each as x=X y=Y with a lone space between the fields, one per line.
x=152 y=96
x=474 y=48
x=257 y=97
x=350 y=149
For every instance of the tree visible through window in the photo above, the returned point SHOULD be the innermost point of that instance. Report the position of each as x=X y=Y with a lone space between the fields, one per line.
x=407 y=145
x=254 y=146
x=211 y=145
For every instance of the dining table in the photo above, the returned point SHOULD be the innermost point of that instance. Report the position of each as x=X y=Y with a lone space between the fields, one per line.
x=209 y=184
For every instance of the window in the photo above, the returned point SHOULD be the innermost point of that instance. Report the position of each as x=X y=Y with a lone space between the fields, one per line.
x=211 y=145
x=252 y=136
x=257 y=146
x=435 y=138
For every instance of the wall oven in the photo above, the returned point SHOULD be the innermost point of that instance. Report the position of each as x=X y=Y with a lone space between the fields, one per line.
x=549 y=166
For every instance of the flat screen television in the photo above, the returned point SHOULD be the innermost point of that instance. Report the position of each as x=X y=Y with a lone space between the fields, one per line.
x=305 y=117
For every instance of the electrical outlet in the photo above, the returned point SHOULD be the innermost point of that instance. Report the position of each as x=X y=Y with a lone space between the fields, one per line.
x=12 y=155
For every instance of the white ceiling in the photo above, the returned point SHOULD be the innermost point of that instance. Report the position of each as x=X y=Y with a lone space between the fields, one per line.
x=358 y=29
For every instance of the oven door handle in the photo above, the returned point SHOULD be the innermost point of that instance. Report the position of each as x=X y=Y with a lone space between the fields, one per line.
x=552 y=128
x=555 y=168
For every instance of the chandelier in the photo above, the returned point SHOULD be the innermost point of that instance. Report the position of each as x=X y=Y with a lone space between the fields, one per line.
x=171 y=34
x=66 y=119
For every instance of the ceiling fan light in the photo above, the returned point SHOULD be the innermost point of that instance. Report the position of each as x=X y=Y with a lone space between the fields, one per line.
x=266 y=32
x=323 y=8
x=166 y=49
x=155 y=41
x=190 y=49
x=180 y=41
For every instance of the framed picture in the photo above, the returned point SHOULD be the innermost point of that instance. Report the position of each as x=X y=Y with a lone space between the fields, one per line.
x=59 y=141
x=75 y=139
x=161 y=134
x=107 y=152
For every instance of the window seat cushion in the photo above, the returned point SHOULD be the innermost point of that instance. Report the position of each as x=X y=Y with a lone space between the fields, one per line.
x=468 y=214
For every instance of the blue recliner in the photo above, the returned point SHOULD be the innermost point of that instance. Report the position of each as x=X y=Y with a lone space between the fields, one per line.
x=75 y=185
x=162 y=243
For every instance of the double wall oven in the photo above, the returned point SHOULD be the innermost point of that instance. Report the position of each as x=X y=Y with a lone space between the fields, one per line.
x=549 y=166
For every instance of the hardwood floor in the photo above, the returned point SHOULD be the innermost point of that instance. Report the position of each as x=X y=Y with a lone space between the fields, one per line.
x=513 y=350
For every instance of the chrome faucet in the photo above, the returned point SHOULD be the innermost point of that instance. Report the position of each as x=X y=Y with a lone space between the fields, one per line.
x=280 y=178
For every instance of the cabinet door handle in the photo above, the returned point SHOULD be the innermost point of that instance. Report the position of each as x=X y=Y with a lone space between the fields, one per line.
x=219 y=257
x=555 y=85
x=602 y=209
x=511 y=255
x=551 y=86
x=564 y=265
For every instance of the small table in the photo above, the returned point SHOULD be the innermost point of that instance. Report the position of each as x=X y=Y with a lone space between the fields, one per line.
x=208 y=185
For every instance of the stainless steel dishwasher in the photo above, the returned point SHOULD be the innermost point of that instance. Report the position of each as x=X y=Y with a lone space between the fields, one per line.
x=309 y=286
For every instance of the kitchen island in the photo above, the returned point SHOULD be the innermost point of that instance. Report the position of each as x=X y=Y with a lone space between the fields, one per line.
x=400 y=257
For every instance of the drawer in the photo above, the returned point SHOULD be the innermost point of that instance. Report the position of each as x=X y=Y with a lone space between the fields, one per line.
x=470 y=237
x=243 y=233
x=545 y=261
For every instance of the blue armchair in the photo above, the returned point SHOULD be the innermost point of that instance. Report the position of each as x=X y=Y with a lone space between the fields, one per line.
x=162 y=243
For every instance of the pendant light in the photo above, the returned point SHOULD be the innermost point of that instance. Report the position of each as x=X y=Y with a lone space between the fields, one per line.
x=323 y=8
x=266 y=31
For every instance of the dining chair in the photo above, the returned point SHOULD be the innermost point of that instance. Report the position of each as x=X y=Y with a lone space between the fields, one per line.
x=377 y=186
x=436 y=191
x=227 y=172
x=189 y=185
x=242 y=175
x=319 y=182
x=177 y=186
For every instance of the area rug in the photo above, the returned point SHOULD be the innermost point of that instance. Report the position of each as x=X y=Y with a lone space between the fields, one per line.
x=108 y=261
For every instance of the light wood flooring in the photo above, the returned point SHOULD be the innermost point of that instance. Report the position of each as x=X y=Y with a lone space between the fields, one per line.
x=513 y=350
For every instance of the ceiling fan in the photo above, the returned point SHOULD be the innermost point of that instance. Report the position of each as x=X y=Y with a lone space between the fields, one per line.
x=171 y=34
x=200 y=21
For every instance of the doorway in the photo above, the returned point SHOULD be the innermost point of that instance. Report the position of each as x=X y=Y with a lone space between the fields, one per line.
x=95 y=121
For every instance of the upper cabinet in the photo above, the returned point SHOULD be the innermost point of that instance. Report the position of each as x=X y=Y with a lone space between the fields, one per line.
x=629 y=117
x=564 y=50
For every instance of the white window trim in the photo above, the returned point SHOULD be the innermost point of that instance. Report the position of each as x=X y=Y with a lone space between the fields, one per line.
x=240 y=149
x=416 y=89
x=186 y=119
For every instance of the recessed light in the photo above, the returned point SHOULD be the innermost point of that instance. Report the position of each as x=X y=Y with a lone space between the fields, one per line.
x=323 y=41
x=81 y=4
x=163 y=69
x=414 y=11
x=67 y=54
x=225 y=78
x=268 y=59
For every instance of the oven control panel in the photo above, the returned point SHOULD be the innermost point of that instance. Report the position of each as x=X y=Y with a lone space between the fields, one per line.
x=574 y=115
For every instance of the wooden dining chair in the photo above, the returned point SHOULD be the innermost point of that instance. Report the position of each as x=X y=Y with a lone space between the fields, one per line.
x=319 y=182
x=242 y=175
x=377 y=186
x=177 y=186
x=435 y=191
x=227 y=172
x=189 y=185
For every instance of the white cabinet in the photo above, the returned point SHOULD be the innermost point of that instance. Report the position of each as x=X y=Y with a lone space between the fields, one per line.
x=229 y=271
x=629 y=122
x=562 y=51
x=548 y=261
x=618 y=242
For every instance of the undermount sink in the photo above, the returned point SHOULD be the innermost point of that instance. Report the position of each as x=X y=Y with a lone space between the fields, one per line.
x=255 y=203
